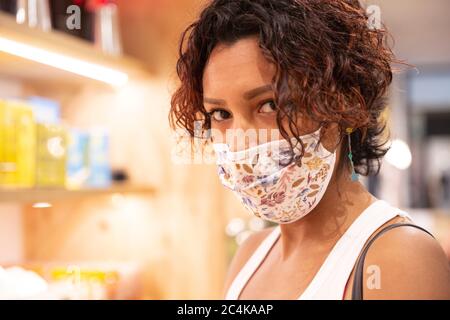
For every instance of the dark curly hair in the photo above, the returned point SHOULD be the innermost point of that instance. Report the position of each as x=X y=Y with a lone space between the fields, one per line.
x=331 y=66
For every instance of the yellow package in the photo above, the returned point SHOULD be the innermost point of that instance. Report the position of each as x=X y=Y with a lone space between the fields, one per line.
x=26 y=146
x=8 y=151
x=51 y=155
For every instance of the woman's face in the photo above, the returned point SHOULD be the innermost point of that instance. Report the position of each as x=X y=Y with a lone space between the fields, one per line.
x=238 y=93
x=239 y=96
x=240 y=99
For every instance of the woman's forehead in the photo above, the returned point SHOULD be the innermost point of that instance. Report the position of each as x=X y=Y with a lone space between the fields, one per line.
x=239 y=64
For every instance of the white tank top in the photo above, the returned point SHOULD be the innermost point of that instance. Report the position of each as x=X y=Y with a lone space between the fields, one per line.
x=330 y=281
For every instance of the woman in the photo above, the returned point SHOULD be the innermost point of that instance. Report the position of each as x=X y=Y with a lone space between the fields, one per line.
x=314 y=73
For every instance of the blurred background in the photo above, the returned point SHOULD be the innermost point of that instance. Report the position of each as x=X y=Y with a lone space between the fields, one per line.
x=92 y=205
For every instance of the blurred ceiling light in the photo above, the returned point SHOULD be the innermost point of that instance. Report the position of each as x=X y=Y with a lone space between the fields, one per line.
x=399 y=155
x=66 y=63
x=41 y=205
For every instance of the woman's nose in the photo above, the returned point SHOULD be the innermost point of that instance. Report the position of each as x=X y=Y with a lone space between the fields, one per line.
x=243 y=134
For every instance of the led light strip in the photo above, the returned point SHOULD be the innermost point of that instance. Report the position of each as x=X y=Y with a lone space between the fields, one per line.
x=76 y=66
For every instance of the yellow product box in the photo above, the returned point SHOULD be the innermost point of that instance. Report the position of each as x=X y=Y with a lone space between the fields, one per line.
x=17 y=144
x=51 y=155
x=8 y=152
x=25 y=146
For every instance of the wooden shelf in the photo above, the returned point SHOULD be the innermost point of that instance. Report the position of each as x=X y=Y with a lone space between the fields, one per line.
x=59 y=43
x=26 y=196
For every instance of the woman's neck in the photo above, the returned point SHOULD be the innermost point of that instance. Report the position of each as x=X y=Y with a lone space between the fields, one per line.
x=341 y=204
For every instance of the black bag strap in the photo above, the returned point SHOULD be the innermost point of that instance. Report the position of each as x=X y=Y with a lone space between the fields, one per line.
x=357 y=291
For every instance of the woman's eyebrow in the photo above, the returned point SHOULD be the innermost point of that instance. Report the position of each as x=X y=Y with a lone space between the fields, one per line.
x=257 y=91
x=247 y=95
x=214 y=101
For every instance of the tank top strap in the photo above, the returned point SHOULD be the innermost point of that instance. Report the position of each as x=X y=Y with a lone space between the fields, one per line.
x=252 y=264
x=331 y=279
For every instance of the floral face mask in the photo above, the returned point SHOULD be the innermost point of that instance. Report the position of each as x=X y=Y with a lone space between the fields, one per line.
x=271 y=187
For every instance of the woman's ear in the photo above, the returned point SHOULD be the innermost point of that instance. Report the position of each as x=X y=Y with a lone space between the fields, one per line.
x=331 y=137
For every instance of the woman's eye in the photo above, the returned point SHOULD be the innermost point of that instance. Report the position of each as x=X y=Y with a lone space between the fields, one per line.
x=219 y=115
x=268 y=107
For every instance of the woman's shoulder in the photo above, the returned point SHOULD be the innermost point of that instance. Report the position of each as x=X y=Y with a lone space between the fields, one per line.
x=406 y=263
x=243 y=253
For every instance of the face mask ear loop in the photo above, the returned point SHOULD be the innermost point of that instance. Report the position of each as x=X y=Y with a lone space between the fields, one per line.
x=354 y=175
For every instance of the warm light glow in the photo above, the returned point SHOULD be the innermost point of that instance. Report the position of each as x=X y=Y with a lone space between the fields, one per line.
x=79 y=67
x=256 y=224
x=118 y=199
x=399 y=155
x=55 y=147
x=42 y=205
x=235 y=226
x=21 y=16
